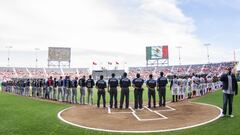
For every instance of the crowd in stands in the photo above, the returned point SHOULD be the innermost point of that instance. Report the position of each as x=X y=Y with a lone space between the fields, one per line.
x=180 y=70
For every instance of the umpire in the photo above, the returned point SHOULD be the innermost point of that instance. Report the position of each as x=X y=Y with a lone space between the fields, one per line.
x=151 y=84
x=138 y=91
x=125 y=83
x=230 y=87
x=112 y=84
x=161 y=83
x=101 y=85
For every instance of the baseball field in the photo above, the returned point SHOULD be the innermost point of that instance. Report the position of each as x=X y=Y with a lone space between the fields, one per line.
x=27 y=116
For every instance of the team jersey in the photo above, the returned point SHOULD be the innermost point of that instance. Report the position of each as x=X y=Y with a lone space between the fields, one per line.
x=90 y=83
x=125 y=83
x=138 y=82
x=60 y=83
x=74 y=83
x=82 y=82
x=113 y=82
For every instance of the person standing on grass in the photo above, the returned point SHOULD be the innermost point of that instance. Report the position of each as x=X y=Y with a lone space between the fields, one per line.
x=101 y=85
x=82 y=84
x=112 y=89
x=90 y=84
x=230 y=88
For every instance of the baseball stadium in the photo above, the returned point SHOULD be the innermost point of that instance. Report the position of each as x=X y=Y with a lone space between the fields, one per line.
x=119 y=67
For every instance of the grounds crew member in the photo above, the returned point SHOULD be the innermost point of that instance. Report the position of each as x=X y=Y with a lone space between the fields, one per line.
x=74 y=90
x=125 y=83
x=162 y=83
x=138 y=91
x=230 y=88
x=60 y=89
x=174 y=88
x=89 y=84
x=101 y=85
x=82 y=84
x=112 y=89
x=151 y=84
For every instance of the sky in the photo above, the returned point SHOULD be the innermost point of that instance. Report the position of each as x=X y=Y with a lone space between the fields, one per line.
x=110 y=30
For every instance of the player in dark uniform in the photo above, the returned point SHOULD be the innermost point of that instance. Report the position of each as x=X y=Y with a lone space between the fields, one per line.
x=162 y=83
x=60 y=89
x=74 y=90
x=82 y=84
x=55 y=89
x=138 y=91
x=151 y=84
x=101 y=85
x=125 y=83
x=112 y=89
x=68 y=89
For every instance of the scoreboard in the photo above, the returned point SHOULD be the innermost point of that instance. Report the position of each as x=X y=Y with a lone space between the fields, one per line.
x=59 y=54
x=157 y=52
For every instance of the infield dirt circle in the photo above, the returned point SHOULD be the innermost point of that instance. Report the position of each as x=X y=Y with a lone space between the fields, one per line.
x=174 y=116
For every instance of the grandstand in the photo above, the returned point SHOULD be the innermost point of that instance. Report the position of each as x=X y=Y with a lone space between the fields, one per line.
x=202 y=69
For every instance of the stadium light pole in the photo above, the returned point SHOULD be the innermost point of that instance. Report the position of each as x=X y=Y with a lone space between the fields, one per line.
x=8 y=53
x=179 y=53
x=36 y=55
x=208 y=55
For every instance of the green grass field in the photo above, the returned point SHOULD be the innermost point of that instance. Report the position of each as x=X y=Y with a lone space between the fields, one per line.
x=25 y=116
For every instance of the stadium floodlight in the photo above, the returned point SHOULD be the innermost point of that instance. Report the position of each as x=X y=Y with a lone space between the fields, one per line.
x=179 y=54
x=36 y=56
x=8 y=53
x=208 y=55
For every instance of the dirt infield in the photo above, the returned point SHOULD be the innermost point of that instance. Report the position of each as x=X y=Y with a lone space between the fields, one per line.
x=175 y=116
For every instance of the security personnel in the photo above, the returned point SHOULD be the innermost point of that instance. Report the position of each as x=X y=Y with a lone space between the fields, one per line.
x=74 y=90
x=138 y=91
x=89 y=84
x=60 y=89
x=151 y=84
x=162 y=83
x=112 y=89
x=82 y=84
x=125 y=83
x=101 y=85
x=68 y=89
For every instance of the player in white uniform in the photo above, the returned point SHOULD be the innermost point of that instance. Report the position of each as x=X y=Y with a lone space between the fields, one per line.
x=180 y=89
x=202 y=81
x=174 y=88
x=194 y=85
x=189 y=88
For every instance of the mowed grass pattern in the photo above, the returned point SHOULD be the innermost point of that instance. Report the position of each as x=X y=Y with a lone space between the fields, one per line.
x=24 y=116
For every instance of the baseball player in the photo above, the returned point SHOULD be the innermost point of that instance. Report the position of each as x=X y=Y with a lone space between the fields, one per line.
x=174 y=88
x=55 y=89
x=74 y=90
x=60 y=89
x=68 y=89
x=82 y=84
x=27 y=87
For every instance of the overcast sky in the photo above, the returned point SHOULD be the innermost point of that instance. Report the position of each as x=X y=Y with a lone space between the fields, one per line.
x=118 y=30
